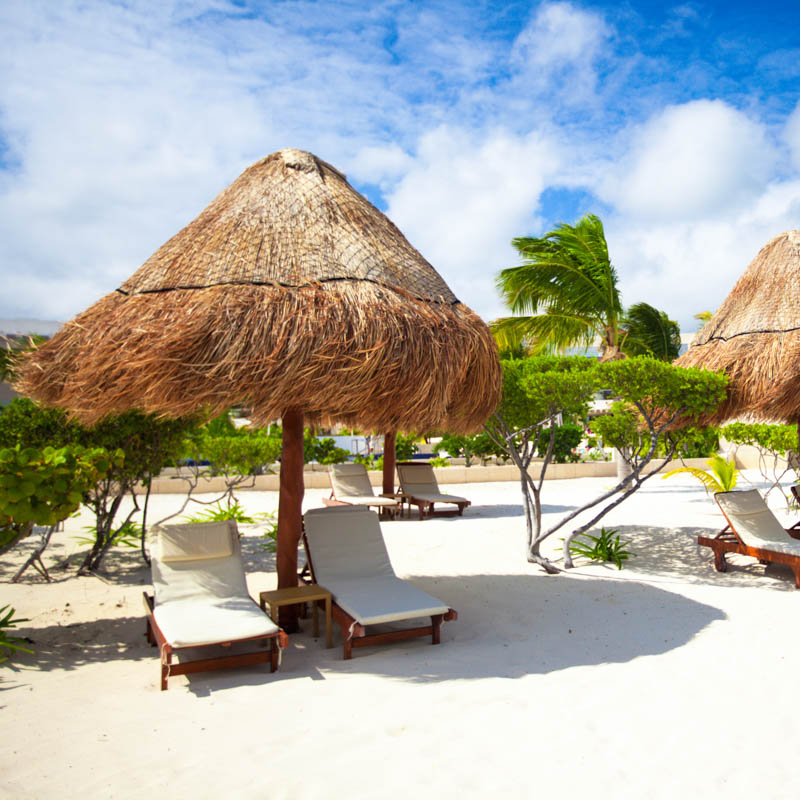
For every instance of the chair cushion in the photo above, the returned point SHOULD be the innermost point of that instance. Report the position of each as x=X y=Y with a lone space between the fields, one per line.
x=193 y=542
x=194 y=622
x=350 y=480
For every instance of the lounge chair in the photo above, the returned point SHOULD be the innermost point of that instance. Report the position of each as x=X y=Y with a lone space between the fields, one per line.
x=347 y=555
x=418 y=487
x=201 y=599
x=350 y=486
x=753 y=530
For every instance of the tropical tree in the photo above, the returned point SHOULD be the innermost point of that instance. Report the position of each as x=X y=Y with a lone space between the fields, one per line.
x=565 y=292
x=651 y=333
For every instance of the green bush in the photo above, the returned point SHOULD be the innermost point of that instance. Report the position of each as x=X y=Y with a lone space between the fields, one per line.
x=567 y=438
x=220 y=513
x=405 y=446
x=326 y=452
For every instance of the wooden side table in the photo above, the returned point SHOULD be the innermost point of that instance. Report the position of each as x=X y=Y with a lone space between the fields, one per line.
x=294 y=595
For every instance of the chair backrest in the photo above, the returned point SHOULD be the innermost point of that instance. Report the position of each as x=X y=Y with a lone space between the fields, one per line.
x=751 y=519
x=196 y=559
x=345 y=543
x=350 y=480
x=417 y=478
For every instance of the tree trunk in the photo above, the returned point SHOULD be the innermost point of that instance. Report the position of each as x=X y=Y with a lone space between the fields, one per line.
x=290 y=511
x=389 y=459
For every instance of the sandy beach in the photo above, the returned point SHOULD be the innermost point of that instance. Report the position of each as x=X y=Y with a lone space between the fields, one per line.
x=665 y=679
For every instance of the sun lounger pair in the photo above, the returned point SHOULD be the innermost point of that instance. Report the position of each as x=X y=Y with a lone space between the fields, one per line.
x=201 y=596
x=347 y=555
x=201 y=599
x=753 y=530
x=418 y=486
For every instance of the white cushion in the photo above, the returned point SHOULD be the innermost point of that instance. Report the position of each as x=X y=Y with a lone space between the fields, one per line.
x=190 y=542
x=351 y=561
x=350 y=479
x=367 y=501
x=755 y=524
x=438 y=498
x=194 y=622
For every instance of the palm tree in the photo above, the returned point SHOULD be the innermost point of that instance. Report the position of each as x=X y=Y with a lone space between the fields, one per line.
x=651 y=332
x=565 y=292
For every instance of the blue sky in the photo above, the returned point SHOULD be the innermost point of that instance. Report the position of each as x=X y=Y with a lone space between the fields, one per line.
x=468 y=123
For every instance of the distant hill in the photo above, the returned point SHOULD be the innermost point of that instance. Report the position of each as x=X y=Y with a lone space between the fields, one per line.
x=44 y=327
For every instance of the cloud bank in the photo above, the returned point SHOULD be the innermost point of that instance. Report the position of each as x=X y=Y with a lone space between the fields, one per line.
x=120 y=121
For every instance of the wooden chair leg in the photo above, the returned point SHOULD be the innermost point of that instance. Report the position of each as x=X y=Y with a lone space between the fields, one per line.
x=796 y=576
x=274 y=655
x=166 y=661
x=436 y=624
x=719 y=561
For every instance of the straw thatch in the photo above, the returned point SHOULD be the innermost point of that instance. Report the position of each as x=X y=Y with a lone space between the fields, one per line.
x=289 y=290
x=754 y=337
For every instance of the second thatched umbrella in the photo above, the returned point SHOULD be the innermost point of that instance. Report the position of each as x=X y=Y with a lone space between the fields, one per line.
x=290 y=294
x=754 y=337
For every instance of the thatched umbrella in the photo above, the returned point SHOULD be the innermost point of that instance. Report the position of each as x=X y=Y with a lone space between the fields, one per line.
x=754 y=337
x=290 y=294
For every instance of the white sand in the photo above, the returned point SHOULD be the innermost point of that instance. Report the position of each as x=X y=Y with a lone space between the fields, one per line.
x=665 y=680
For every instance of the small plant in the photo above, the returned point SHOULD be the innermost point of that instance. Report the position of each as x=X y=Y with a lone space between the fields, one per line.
x=370 y=462
x=10 y=644
x=605 y=547
x=219 y=513
x=722 y=477
x=439 y=461
x=129 y=535
x=269 y=539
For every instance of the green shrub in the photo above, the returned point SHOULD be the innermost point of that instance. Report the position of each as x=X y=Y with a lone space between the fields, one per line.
x=439 y=461
x=567 y=438
x=405 y=446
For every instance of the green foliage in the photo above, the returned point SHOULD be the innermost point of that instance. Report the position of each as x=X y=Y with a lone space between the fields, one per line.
x=129 y=534
x=721 y=477
x=45 y=486
x=697 y=442
x=605 y=547
x=10 y=644
x=326 y=452
x=237 y=454
x=220 y=513
x=566 y=289
x=651 y=332
x=536 y=388
x=439 y=461
x=269 y=539
x=567 y=438
x=27 y=423
x=405 y=446
x=659 y=389
x=771 y=438
x=619 y=427
x=221 y=426
x=369 y=461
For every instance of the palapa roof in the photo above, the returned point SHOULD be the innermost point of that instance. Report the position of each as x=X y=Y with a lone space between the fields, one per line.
x=289 y=290
x=754 y=337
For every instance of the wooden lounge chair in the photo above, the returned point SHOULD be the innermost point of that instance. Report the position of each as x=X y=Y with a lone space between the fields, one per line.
x=201 y=599
x=347 y=555
x=350 y=486
x=753 y=530
x=418 y=487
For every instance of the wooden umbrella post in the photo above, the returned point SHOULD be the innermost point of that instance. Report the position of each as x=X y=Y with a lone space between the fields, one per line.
x=389 y=459
x=290 y=511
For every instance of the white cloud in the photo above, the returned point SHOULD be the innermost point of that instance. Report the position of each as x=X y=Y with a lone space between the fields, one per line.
x=466 y=197
x=700 y=158
x=561 y=42
x=688 y=266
